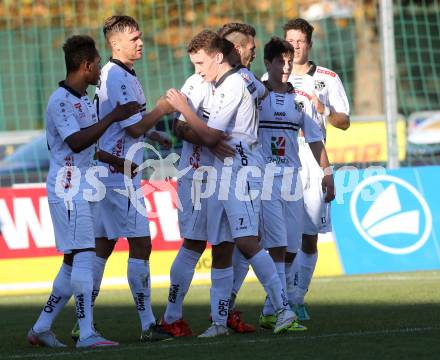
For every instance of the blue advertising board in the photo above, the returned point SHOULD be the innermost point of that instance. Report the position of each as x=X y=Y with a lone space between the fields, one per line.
x=387 y=220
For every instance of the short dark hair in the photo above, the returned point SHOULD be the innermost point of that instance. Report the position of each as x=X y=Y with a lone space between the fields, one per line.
x=301 y=25
x=210 y=42
x=277 y=47
x=77 y=49
x=119 y=23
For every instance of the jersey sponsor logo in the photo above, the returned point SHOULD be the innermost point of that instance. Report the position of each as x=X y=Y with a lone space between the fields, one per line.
x=78 y=107
x=194 y=159
x=117 y=151
x=243 y=157
x=299 y=105
x=326 y=72
x=246 y=77
x=66 y=179
x=303 y=93
x=398 y=222
x=279 y=113
x=252 y=87
x=51 y=303
x=278 y=145
x=319 y=85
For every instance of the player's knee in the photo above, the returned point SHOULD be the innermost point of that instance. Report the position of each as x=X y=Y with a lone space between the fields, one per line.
x=309 y=244
x=290 y=257
x=249 y=246
x=194 y=245
x=104 y=247
x=140 y=248
x=278 y=253
x=222 y=255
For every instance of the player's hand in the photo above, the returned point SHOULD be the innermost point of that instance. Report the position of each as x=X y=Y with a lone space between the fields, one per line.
x=164 y=105
x=122 y=112
x=320 y=107
x=328 y=187
x=119 y=166
x=178 y=100
x=222 y=150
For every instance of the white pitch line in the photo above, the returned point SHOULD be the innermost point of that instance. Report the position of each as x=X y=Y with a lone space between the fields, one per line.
x=178 y=344
x=378 y=278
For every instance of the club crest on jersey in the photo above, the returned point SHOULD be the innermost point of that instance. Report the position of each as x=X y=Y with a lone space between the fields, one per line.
x=299 y=105
x=278 y=145
x=319 y=85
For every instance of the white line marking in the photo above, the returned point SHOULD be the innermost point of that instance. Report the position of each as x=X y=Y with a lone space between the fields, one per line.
x=179 y=344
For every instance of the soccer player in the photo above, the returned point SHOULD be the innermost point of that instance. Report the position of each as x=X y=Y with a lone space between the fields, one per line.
x=192 y=222
x=234 y=202
x=72 y=128
x=282 y=114
x=118 y=215
x=324 y=88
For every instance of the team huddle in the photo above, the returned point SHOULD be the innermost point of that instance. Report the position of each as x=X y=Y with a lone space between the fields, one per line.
x=256 y=183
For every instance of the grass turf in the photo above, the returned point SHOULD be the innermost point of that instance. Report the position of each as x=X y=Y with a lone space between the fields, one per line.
x=389 y=316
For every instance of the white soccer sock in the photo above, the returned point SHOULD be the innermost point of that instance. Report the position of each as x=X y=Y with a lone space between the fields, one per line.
x=268 y=308
x=82 y=286
x=241 y=267
x=181 y=275
x=221 y=287
x=98 y=273
x=290 y=283
x=138 y=274
x=61 y=293
x=266 y=272
x=306 y=268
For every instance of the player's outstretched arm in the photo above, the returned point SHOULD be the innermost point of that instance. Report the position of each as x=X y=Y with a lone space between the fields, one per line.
x=320 y=155
x=150 y=119
x=184 y=131
x=84 y=138
x=209 y=137
x=116 y=162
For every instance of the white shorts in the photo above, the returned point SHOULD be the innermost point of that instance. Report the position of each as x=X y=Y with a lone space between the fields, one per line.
x=73 y=225
x=233 y=217
x=192 y=218
x=316 y=210
x=281 y=219
x=117 y=217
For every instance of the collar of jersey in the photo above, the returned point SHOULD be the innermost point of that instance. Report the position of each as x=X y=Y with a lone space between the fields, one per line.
x=122 y=65
x=312 y=68
x=226 y=74
x=69 y=89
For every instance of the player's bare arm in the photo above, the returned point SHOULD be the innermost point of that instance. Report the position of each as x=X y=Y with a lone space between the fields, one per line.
x=84 y=138
x=337 y=119
x=116 y=162
x=210 y=137
x=151 y=119
x=320 y=155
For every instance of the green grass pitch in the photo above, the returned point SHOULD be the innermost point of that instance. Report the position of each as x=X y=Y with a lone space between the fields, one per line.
x=389 y=316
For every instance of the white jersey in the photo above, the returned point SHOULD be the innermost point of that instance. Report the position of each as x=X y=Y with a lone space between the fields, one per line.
x=200 y=95
x=281 y=116
x=234 y=111
x=326 y=84
x=67 y=113
x=119 y=84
